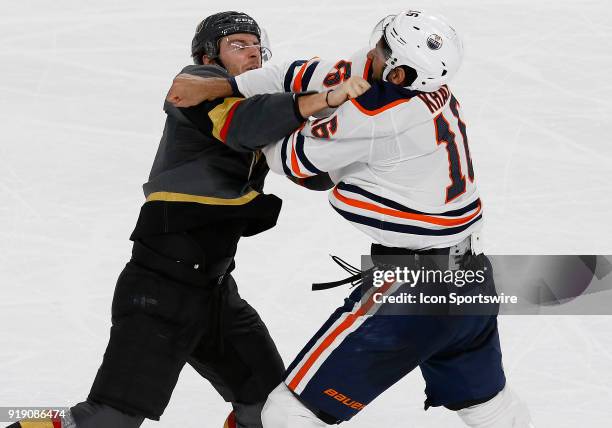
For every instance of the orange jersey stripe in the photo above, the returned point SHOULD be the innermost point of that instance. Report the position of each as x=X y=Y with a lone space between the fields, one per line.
x=410 y=216
x=380 y=109
x=295 y=166
x=349 y=321
x=297 y=83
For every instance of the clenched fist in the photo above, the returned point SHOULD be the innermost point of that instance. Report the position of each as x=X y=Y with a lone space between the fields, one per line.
x=351 y=88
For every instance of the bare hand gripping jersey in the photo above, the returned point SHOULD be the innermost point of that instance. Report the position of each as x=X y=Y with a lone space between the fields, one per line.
x=399 y=158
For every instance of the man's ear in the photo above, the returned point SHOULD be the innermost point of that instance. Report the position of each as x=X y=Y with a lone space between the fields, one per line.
x=397 y=76
x=207 y=60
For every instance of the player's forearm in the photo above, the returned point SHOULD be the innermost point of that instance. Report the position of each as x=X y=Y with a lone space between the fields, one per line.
x=309 y=105
x=306 y=104
x=214 y=88
x=188 y=90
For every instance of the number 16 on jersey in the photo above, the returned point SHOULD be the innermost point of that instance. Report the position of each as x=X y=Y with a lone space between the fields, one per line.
x=445 y=135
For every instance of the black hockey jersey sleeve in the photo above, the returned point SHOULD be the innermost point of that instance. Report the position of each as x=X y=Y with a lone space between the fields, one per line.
x=244 y=125
x=248 y=124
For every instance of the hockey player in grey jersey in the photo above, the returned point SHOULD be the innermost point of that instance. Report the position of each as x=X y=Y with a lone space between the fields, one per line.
x=176 y=301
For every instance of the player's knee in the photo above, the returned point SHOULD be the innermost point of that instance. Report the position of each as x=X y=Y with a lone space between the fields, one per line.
x=284 y=410
x=505 y=410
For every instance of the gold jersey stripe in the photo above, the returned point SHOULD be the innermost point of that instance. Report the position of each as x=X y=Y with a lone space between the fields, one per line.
x=36 y=423
x=208 y=200
x=218 y=115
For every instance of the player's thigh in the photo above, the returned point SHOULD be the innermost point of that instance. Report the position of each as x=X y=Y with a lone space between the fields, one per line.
x=353 y=358
x=156 y=323
x=244 y=365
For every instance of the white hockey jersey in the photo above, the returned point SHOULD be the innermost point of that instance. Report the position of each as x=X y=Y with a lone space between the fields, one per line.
x=399 y=158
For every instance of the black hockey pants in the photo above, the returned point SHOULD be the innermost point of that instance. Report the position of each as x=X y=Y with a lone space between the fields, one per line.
x=175 y=303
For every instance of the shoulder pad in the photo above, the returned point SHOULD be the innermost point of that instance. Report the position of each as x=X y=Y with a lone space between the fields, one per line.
x=208 y=70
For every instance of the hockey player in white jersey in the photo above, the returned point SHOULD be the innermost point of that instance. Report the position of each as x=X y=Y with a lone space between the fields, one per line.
x=400 y=161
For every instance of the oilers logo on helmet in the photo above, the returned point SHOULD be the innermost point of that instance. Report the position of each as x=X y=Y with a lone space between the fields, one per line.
x=434 y=42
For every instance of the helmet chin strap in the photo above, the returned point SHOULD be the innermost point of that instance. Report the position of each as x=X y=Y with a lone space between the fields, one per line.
x=217 y=58
x=387 y=70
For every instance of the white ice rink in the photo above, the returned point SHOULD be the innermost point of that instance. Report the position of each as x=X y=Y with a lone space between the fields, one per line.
x=81 y=90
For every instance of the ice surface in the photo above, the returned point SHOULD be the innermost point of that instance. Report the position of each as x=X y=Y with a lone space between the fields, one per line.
x=82 y=84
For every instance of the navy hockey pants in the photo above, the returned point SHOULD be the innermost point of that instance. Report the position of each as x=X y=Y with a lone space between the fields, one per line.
x=356 y=355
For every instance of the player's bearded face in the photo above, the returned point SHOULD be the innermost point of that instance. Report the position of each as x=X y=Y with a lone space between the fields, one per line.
x=239 y=53
x=378 y=56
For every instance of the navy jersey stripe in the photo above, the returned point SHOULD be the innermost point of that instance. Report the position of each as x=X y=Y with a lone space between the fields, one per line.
x=392 y=204
x=404 y=228
x=299 y=150
x=284 y=157
x=382 y=94
x=234 y=85
x=308 y=75
x=289 y=75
